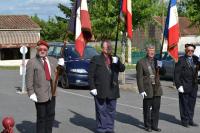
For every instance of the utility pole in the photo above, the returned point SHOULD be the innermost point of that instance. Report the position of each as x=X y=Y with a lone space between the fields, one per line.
x=123 y=54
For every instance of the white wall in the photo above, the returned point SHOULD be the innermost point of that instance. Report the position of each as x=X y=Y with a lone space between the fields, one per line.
x=183 y=40
x=32 y=52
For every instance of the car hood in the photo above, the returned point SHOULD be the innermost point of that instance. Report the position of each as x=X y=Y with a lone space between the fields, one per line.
x=78 y=64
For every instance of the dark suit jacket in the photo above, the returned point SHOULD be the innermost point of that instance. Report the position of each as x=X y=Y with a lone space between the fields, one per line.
x=103 y=79
x=143 y=78
x=185 y=75
x=36 y=80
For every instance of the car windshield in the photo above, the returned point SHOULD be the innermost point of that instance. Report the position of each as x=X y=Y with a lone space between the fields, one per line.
x=89 y=52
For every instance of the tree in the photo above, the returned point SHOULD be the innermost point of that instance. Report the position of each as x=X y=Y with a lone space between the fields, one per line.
x=52 y=30
x=192 y=8
x=104 y=15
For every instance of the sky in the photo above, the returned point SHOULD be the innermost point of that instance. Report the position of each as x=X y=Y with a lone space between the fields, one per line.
x=43 y=8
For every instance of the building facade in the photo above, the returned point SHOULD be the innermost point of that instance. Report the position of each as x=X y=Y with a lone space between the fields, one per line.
x=17 y=31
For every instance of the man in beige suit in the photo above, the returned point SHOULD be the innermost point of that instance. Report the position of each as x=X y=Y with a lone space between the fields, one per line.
x=40 y=74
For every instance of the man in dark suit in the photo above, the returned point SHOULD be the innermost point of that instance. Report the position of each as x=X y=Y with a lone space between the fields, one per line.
x=40 y=72
x=103 y=78
x=186 y=72
x=148 y=82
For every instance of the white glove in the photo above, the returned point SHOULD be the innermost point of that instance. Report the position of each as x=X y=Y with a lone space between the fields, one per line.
x=180 y=89
x=93 y=92
x=143 y=94
x=33 y=97
x=159 y=63
x=115 y=59
x=61 y=61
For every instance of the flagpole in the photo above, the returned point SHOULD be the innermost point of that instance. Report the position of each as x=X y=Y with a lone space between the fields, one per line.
x=116 y=39
x=161 y=48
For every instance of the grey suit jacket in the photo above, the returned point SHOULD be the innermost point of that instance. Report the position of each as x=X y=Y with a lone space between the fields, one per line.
x=144 y=81
x=35 y=78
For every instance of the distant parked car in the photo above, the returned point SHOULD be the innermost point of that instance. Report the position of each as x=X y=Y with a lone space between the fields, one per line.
x=76 y=68
x=169 y=65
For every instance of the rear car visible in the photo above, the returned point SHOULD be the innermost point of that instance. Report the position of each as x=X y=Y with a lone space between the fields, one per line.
x=76 y=68
x=169 y=65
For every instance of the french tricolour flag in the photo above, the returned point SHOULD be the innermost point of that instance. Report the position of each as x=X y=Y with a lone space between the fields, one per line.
x=171 y=32
x=80 y=25
x=127 y=11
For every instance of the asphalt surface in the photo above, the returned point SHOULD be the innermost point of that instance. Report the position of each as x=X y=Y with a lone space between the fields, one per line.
x=75 y=111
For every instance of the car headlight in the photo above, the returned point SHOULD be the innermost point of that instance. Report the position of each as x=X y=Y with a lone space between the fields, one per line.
x=78 y=70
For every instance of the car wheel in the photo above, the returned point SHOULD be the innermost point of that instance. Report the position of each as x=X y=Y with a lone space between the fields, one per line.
x=64 y=82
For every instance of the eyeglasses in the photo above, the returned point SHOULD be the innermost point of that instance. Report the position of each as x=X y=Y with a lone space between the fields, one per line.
x=42 y=49
x=190 y=50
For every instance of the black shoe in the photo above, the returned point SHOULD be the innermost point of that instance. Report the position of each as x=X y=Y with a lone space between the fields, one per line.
x=157 y=129
x=148 y=129
x=185 y=125
x=193 y=124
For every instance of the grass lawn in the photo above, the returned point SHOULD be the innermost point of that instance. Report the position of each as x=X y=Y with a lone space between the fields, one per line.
x=9 y=67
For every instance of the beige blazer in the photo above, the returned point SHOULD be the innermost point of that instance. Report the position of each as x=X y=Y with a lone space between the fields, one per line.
x=35 y=78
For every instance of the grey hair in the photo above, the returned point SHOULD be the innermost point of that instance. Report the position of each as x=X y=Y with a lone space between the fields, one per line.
x=150 y=46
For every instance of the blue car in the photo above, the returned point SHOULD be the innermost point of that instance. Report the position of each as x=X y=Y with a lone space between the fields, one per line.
x=76 y=68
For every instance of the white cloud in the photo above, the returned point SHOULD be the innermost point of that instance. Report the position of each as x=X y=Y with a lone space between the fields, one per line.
x=43 y=8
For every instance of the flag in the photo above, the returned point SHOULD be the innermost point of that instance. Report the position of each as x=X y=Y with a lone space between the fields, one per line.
x=127 y=11
x=171 y=32
x=80 y=25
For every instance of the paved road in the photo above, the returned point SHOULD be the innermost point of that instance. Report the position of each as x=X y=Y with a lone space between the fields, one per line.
x=75 y=109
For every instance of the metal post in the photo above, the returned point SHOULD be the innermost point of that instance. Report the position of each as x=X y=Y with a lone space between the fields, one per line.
x=129 y=50
x=123 y=55
x=23 y=51
x=23 y=71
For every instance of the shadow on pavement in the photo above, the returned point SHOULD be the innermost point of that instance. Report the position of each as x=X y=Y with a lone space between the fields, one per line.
x=127 y=119
x=26 y=127
x=169 y=118
x=30 y=127
x=83 y=121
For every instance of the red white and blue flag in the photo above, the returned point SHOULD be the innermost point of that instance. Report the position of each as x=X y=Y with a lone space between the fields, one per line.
x=127 y=11
x=171 y=32
x=80 y=25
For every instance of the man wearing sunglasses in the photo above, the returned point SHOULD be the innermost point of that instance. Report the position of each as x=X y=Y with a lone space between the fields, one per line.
x=41 y=71
x=186 y=73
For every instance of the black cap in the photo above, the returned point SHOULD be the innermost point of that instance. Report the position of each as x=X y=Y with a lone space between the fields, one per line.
x=189 y=44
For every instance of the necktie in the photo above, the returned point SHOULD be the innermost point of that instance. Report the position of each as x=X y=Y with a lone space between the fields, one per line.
x=191 y=62
x=46 y=69
x=107 y=61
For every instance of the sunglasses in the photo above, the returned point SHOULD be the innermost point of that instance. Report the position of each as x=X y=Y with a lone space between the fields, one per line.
x=42 y=49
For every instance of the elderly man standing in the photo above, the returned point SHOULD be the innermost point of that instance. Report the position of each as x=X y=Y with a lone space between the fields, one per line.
x=186 y=72
x=148 y=82
x=40 y=74
x=103 y=77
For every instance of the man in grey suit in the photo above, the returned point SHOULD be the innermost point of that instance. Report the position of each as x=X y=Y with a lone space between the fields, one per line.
x=40 y=74
x=148 y=82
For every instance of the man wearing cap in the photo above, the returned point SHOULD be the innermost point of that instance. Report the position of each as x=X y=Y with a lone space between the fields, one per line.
x=186 y=72
x=40 y=74
x=148 y=70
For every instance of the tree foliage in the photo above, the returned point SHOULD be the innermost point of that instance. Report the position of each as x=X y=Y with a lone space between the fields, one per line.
x=193 y=11
x=52 y=30
x=104 y=18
